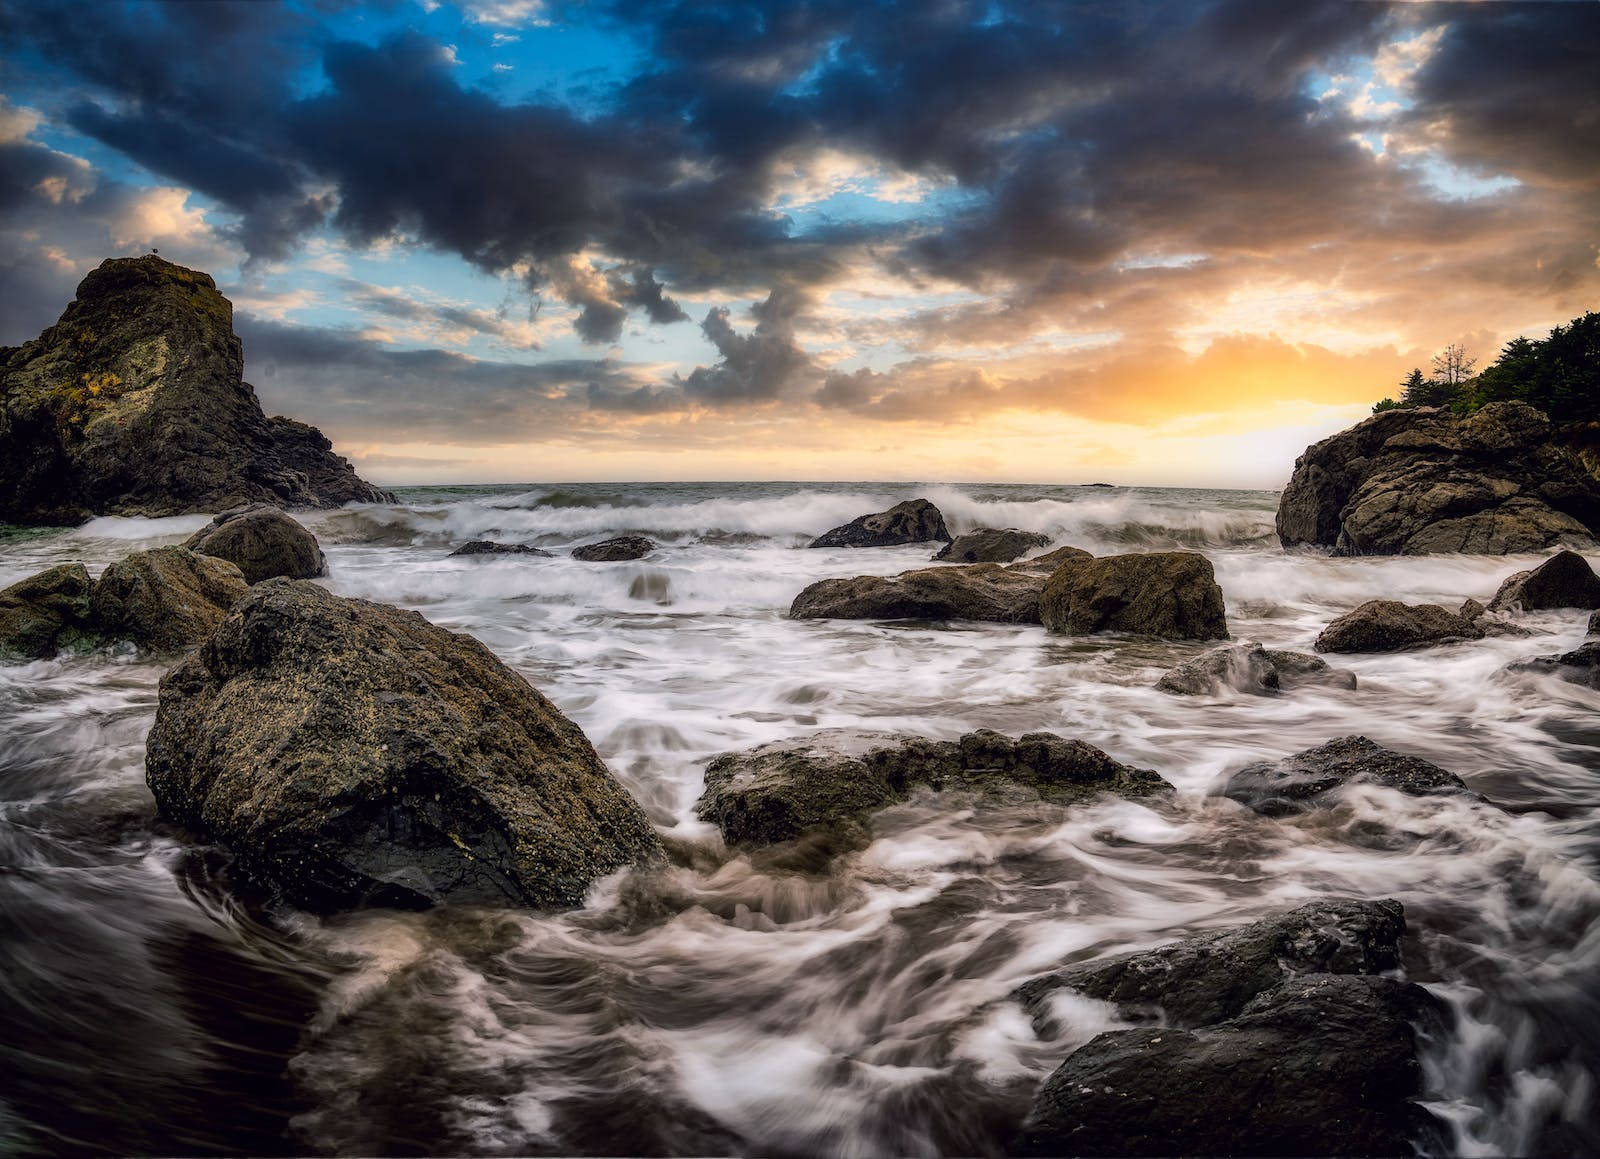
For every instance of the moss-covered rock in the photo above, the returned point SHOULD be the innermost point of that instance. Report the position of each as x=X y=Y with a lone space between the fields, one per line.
x=262 y=542
x=164 y=600
x=41 y=615
x=1173 y=594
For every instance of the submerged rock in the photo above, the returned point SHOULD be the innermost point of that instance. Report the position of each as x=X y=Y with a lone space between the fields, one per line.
x=262 y=542
x=1565 y=580
x=1294 y=784
x=989 y=545
x=490 y=547
x=1251 y=668
x=1322 y=1064
x=49 y=611
x=1579 y=666
x=1173 y=594
x=1418 y=481
x=1389 y=626
x=980 y=591
x=836 y=778
x=351 y=753
x=617 y=549
x=134 y=403
x=166 y=600
x=914 y=521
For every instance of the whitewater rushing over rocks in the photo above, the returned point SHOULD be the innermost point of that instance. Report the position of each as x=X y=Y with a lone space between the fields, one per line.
x=736 y=1001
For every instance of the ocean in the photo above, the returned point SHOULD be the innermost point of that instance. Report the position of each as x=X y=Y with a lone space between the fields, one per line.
x=735 y=1003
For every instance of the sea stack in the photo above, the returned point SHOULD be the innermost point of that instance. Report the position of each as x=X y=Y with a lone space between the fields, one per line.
x=134 y=403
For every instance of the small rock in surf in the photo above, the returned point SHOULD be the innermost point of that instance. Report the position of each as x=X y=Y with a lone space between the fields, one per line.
x=914 y=521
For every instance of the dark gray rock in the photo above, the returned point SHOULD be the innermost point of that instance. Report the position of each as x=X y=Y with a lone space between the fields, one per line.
x=615 y=550
x=1389 y=626
x=835 y=779
x=165 y=600
x=1579 y=666
x=1047 y=563
x=490 y=547
x=989 y=545
x=262 y=542
x=1418 y=481
x=980 y=591
x=47 y=612
x=134 y=403
x=1300 y=782
x=1253 y=669
x=1565 y=580
x=1323 y=1064
x=1594 y=625
x=914 y=521
x=1173 y=594
x=351 y=753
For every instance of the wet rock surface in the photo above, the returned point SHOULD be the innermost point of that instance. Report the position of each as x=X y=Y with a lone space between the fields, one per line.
x=914 y=521
x=1579 y=666
x=1420 y=481
x=615 y=550
x=1173 y=594
x=165 y=600
x=1565 y=580
x=1253 y=669
x=134 y=403
x=836 y=778
x=991 y=545
x=1048 y=562
x=983 y=591
x=350 y=753
x=262 y=542
x=1299 y=782
x=1390 y=626
x=47 y=612
x=490 y=547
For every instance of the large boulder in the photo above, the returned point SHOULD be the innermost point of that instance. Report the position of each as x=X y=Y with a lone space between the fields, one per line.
x=1300 y=782
x=1579 y=666
x=1565 y=580
x=49 y=611
x=490 y=547
x=1418 y=481
x=134 y=403
x=1168 y=593
x=165 y=600
x=835 y=778
x=914 y=521
x=980 y=591
x=991 y=545
x=262 y=542
x=1323 y=1064
x=615 y=550
x=1389 y=626
x=352 y=753
x=1253 y=669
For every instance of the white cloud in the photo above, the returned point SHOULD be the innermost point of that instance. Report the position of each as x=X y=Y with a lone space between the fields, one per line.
x=17 y=121
x=505 y=13
x=159 y=215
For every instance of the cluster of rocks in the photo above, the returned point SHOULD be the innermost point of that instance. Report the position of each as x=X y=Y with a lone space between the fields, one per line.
x=621 y=547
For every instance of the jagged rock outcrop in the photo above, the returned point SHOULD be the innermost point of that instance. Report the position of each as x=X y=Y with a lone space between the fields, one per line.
x=490 y=547
x=46 y=613
x=979 y=591
x=615 y=550
x=1389 y=626
x=1281 y=1039
x=836 y=778
x=134 y=403
x=914 y=521
x=991 y=545
x=1419 y=481
x=1253 y=669
x=348 y=752
x=164 y=600
x=1166 y=593
x=1565 y=580
x=262 y=542
x=1302 y=781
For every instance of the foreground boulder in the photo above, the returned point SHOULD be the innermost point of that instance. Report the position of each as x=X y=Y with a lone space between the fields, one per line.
x=914 y=521
x=262 y=542
x=1417 y=481
x=1565 y=580
x=989 y=545
x=1300 y=782
x=622 y=547
x=165 y=600
x=1169 y=593
x=490 y=547
x=1579 y=666
x=1389 y=626
x=1253 y=669
x=134 y=403
x=352 y=753
x=47 y=612
x=981 y=591
x=835 y=778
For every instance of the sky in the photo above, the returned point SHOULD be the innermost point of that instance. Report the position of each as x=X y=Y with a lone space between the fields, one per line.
x=1166 y=243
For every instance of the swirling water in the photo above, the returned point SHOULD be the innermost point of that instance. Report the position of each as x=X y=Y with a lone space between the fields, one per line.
x=149 y=1003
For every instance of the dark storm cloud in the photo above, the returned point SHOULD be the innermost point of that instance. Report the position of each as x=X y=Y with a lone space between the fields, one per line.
x=762 y=366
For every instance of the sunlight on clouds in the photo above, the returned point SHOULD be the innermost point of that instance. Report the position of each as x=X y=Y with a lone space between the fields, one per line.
x=157 y=215
x=809 y=175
